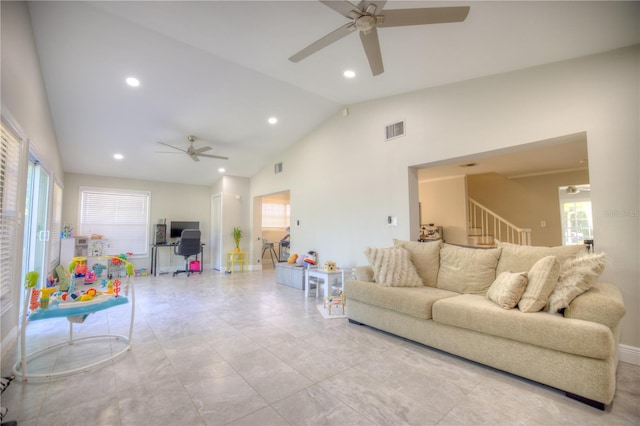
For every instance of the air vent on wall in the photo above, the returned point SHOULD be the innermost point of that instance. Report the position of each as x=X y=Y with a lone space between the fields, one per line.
x=277 y=168
x=394 y=130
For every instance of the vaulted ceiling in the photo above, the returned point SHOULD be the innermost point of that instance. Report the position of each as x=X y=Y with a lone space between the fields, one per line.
x=219 y=69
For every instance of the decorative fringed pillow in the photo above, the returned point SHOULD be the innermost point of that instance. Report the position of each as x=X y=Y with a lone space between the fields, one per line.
x=392 y=267
x=577 y=275
x=425 y=257
x=507 y=289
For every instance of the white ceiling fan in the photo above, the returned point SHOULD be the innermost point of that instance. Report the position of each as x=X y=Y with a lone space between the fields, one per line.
x=367 y=16
x=193 y=152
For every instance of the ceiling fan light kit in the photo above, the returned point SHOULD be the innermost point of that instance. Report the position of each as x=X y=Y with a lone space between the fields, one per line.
x=367 y=16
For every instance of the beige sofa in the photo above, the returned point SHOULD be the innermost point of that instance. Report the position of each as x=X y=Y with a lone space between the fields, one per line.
x=575 y=350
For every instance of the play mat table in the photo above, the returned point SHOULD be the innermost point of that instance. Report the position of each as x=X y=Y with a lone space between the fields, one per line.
x=76 y=311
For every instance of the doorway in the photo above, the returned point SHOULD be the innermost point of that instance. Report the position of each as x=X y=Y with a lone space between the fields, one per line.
x=275 y=220
x=575 y=214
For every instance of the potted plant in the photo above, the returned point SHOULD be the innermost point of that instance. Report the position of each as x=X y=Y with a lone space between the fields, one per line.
x=237 y=236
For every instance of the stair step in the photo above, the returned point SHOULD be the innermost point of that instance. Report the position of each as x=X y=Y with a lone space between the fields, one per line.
x=474 y=231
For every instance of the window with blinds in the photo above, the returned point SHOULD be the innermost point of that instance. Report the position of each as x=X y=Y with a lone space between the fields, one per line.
x=120 y=216
x=9 y=214
x=275 y=214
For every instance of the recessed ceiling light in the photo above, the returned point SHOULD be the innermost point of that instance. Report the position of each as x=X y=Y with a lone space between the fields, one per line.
x=349 y=74
x=221 y=170
x=272 y=120
x=133 y=82
x=118 y=156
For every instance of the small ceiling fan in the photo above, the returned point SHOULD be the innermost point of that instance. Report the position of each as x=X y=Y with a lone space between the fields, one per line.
x=367 y=16
x=193 y=152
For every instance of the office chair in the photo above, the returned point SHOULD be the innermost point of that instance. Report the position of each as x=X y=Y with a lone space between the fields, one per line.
x=188 y=246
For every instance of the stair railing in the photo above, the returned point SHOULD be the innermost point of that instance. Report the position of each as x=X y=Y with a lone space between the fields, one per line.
x=491 y=224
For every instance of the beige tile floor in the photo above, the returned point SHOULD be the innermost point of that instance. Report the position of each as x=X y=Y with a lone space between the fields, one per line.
x=216 y=349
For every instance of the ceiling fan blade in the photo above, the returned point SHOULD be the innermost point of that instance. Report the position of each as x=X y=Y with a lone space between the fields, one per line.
x=214 y=156
x=171 y=146
x=194 y=157
x=371 y=46
x=433 y=15
x=343 y=7
x=323 y=42
x=202 y=149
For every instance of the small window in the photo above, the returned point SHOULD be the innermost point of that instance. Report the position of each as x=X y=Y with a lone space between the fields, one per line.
x=275 y=214
x=575 y=210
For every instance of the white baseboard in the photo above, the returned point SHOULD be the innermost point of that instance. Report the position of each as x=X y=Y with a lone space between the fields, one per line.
x=629 y=354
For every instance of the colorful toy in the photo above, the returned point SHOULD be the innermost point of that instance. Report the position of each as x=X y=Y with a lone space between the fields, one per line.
x=330 y=266
x=116 y=287
x=310 y=258
x=90 y=277
x=292 y=259
x=98 y=268
x=31 y=278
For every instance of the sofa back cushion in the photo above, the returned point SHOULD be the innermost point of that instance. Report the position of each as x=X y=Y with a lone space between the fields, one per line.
x=516 y=258
x=425 y=257
x=466 y=269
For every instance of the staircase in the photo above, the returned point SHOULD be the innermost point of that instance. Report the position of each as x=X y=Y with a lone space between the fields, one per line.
x=485 y=227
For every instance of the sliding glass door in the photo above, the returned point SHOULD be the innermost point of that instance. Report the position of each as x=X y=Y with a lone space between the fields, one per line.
x=36 y=232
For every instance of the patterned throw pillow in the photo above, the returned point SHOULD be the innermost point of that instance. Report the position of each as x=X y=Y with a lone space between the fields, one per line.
x=516 y=258
x=543 y=277
x=577 y=275
x=507 y=289
x=392 y=267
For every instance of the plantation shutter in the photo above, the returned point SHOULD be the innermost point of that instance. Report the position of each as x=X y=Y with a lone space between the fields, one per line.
x=9 y=214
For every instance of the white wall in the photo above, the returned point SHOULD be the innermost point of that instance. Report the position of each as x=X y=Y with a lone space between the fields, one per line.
x=345 y=179
x=25 y=105
x=444 y=203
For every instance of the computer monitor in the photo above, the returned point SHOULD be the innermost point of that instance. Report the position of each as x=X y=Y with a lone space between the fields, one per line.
x=178 y=226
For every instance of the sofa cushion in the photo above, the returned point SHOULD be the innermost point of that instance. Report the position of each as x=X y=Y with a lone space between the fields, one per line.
x=602 y=303
x=474 y=312
x=425 y=257
x=507 y=289
x=413 y=301
x=576 y=276
x=363 y=273
x=516 y=258
x=466 y=269
x=543 y=277
x=392 y=267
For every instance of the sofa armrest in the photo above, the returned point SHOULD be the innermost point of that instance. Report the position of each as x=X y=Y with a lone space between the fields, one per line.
x=602 y=303
x=363 y=273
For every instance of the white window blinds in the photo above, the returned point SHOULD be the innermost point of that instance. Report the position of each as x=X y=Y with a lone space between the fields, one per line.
x=120 y=216
x=275 y=214
x=9 y=214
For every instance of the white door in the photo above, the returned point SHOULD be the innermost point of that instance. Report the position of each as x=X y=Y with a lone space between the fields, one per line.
x=216 y=232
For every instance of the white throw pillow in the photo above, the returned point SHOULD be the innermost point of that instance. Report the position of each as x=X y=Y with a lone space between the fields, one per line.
x=425 y=257
x=577 y=275
x=466 y=269
x=507 y=289
x=543 y=277
x=392 y=267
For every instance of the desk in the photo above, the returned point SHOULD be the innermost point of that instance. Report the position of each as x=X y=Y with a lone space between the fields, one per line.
x=154 y=255
x=234 y=257
x=326 y=276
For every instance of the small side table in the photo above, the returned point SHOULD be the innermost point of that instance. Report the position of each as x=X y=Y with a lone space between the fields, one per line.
x=327 y=276
x=236 y=257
